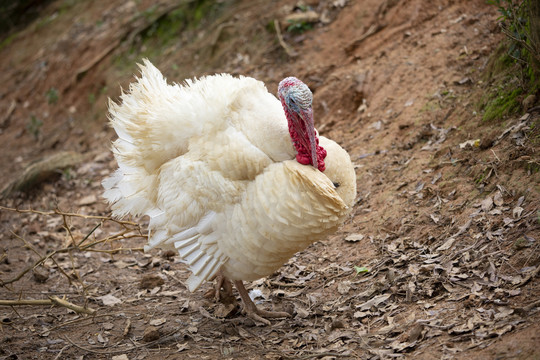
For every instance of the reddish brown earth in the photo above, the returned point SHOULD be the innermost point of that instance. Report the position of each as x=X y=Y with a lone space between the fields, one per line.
x=449 y=234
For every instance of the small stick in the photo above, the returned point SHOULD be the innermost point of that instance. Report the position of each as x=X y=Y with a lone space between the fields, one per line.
x=282 y=42
x=53 y=300
x=25 y=302
x=59 y=212
x=531 y=275
x=61 y=302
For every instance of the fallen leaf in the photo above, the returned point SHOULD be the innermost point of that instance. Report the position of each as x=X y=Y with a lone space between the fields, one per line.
x=120 y=357
x=361 y=314
x=487 y=204
x=498 y=199
x=447 y=245
x=344 y=287
x=436 y=178
x=109 y=300
x=471 y=143
x=301 y=312
x=101 y=339
x=192 y=329
x=151 y=281
x=182 y=347
x=354 y=237
x=224 y=310
x=158 y=322
x=151 y=333
x=360 y=269
x=375 y=302
x=414 y=270
x=87 y=200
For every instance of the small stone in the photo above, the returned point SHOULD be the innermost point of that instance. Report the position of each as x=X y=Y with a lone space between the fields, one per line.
x=40 y=274
x=529 y=102
x=151 y=281
x=151 y=333
x=337 y=324
x=169 y=254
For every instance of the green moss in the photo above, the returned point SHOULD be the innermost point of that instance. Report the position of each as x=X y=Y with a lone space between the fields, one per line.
x=8 y=40
x=502 y=104
x=299 y=27
x=166 y=31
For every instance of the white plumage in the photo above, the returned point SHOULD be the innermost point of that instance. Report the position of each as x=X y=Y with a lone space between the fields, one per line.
x=212 y=163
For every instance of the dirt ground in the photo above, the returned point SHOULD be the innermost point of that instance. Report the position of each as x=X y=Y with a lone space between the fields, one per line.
x=446 y=224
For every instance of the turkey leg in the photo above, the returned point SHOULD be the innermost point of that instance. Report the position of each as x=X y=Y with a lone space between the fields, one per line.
x=252 y=311
x=223 y=282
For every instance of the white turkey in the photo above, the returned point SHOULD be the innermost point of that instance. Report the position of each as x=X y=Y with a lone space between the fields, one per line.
x=232 y=178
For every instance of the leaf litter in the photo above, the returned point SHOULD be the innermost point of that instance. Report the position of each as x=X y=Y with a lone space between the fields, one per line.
x=451 y=262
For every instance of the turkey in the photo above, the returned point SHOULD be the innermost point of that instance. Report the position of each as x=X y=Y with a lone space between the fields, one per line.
x=232 y=178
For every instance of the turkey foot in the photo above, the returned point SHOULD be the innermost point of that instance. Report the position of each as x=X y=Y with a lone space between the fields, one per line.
x=223 y=282
x=251 y=309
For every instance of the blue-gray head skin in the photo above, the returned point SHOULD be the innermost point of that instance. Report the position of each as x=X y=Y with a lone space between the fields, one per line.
x=296 y=99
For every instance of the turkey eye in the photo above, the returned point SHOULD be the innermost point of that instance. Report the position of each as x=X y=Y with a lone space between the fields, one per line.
x=336 y=184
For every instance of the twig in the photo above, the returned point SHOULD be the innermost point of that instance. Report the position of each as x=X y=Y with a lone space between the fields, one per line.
x=319 y=355
x=22 y=273
x=90 y=233
x=53 y=300
x=61 y=302
x=373 y=29
x=163 y=339
x=59 y=212
x=528 y=278
x=25 y=302
x=282 y=42
x=41 y=170
x=61 y=351
x=41 y=257
x=70 y=248
x=521 y=42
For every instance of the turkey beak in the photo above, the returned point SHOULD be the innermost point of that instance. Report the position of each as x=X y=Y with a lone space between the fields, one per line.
x=309 y=137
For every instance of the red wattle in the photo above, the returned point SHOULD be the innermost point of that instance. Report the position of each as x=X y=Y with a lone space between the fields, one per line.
x=304 y=157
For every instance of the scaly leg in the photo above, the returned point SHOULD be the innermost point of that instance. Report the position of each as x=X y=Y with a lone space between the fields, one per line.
x=251 y=309
x=223 y=282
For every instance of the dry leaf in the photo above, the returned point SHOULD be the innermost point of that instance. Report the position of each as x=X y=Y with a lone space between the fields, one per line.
x=375 y=302
x=447 y=245
x=344 y=287
x=182 y=347
x=120 y=357
x=87 y=200
x=354 y=237
x=301 y=312
x=224 y=310
x=471 y=143
x=158 y=322
x=109 y=300
x=151 y=333
x=487 y=204
x=498 y=199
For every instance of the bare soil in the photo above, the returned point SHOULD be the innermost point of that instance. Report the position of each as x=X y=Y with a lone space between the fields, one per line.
x=447 y=222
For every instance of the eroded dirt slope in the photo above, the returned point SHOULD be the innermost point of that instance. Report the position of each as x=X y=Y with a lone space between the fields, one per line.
x=446 y=221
